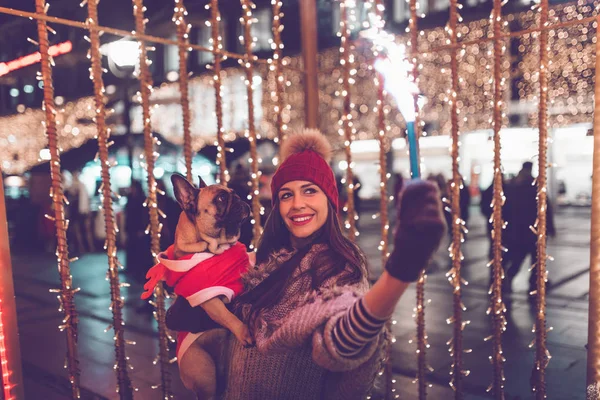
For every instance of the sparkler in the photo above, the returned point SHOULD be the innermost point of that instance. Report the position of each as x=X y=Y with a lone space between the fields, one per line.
x=399 y=82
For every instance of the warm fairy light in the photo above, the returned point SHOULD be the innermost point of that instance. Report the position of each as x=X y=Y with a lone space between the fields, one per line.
x=216 y=45
x=106 y=194
x=247 y=63
x=376 y=9
x=572 y=94
x=275 y=66
x=347 y=129
x=66 y=292
x=497 y=309
x=542 y=355
x=183 y=30
x=457 y=228
x=6 y=372
x=150 y=156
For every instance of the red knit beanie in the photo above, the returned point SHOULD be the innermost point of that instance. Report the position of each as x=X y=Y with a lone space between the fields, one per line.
x=305 y=157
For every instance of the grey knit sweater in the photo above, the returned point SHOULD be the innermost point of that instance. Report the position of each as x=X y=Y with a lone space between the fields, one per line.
x=295 y=356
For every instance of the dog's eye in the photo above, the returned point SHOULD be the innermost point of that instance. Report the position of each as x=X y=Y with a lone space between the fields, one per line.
x=221 y=198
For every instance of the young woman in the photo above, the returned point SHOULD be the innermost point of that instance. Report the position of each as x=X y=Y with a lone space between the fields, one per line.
x=317 y=325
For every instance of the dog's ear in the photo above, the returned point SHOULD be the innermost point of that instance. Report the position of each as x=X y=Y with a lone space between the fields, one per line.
x=186 y=195
x=201 y=183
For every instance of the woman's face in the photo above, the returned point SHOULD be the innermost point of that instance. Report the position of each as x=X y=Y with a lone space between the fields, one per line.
x=303 y=207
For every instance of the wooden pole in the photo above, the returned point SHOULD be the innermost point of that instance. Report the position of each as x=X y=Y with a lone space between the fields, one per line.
x=308 y=20
x=593 y=354
x=9 y=309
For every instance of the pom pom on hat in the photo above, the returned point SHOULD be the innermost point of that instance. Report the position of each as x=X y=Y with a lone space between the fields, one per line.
x=308 y=139
x=305 y=156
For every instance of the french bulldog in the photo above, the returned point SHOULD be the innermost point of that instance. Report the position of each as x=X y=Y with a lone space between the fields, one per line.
x=210 y=221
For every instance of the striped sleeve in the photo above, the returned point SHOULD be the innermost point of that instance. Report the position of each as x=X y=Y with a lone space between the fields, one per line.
x=355 y=329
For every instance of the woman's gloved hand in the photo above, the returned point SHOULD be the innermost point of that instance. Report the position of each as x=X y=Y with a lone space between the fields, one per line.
x=419 y=230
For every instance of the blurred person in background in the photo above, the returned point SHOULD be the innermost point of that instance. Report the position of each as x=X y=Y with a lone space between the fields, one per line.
x=138 y=256
x=80 y=216
x=521 y=213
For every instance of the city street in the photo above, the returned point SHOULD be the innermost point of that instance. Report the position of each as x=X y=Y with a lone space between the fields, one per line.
x=43 y=346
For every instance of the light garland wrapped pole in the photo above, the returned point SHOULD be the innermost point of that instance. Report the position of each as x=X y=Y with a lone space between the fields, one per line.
x=257 y=211
x=155 y=226
x=346 y=60
x=382 y=129
x=183 y=48
x=458 y=225
x=217 y=48
x=66 y=292
x=542 y=356
x=124 y=387
x=497 y=308
x=413 y=133
x=276 y=68
x=383 y=176
x=593 y=351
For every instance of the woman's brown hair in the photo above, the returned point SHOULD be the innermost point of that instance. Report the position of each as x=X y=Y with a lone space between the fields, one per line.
x=341 y=258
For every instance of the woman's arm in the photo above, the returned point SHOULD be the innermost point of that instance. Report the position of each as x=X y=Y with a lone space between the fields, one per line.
x=381 y=299
x=421 y=226
x=365 y=319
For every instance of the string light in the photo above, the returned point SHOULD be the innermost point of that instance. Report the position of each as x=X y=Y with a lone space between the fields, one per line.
x=66 y=292
x=183 y=30
x=124 y=387
x=376 y=10
x=216 y=45
x=593 y=372
x=457 y=227
x=497 y=308
x=6 y=372
x=275 y=66
x=542 y=355
x=573 y=93
x=249 y=41
x=346 y=123
x=150 y=156
x=422 y=344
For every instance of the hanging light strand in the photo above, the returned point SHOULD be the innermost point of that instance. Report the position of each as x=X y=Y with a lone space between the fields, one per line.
x=346 y=129
x=457 y=225
x=66 y=291
x=151 y=203
x=542 y=356
x=216 y=45
x=377 y=9
x=422 y=344
x=257 y=210
x=124 y=387
x=497 y=308
x=384 y=145
x=275 y=66
x=183 y=31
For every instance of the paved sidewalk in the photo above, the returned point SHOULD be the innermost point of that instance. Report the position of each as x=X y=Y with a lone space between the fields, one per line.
x=43 y=346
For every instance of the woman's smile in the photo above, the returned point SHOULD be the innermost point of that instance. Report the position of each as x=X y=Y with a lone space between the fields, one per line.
x=302 y=219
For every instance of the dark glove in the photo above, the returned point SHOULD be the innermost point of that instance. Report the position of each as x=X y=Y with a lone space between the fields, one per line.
x=419 y=230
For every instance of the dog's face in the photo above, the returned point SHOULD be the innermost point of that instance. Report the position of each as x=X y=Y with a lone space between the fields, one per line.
x=215 y=210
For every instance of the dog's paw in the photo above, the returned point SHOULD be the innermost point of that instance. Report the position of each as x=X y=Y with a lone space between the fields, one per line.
x=242 y=333
x=252 y=258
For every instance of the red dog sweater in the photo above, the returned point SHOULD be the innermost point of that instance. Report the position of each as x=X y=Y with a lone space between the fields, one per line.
x=199 y=277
